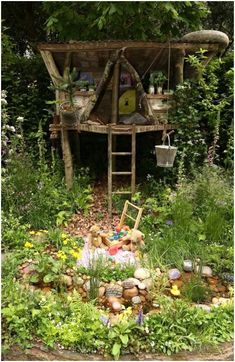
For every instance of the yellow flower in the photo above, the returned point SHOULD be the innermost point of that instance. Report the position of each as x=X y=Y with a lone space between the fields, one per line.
x=64 y=236
x=32 y=232
x=75 y=254
x=38 y=233
x=28 y=245
x=65 y=241
x=43 y=231
x=61 y=255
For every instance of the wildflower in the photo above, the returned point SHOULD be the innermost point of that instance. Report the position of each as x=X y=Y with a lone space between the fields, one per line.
x=104 y=320
x=20 y=119
x=65 y=241
x=64 y=236
x=38 y=233
x=75 y=254
x=140 y=318
x=32 y=232
x=28 y=245
x=3 y=101
x=169 y=222
x=61 y=255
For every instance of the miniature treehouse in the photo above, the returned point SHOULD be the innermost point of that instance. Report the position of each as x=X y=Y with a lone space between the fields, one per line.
x=113 y=94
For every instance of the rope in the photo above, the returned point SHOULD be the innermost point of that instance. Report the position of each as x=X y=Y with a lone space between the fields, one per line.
x=157 y=55
x=168 y=77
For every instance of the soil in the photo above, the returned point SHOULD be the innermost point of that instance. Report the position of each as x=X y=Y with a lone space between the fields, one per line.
x=98 y=214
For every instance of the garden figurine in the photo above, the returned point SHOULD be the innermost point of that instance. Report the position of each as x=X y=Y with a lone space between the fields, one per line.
x=95 y=239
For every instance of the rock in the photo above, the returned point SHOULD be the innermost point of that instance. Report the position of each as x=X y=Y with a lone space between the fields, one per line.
x=207 y=36
x=224 y=300
x=66 y=280
x=129 y=293
x=205 y=307
x=206 y=271
x=143 y=292
x=128 y=284
x=114 y=291
x=174 y=274
x=141 y=286
x=136 y=300
x=78 y=281
x=212 y=280
x=221 y=288
x=116 y=306
x=178 y=283
x=101 y=292
x=148 y=283
x=80 y=290
x=46 y=289
x=215 y=300
x=142 y=298
x=87 y=286
x=188 y=265
x=142 y=273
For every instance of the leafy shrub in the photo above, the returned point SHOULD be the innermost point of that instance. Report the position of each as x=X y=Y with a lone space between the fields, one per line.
x=195 y=290
x=180 y=327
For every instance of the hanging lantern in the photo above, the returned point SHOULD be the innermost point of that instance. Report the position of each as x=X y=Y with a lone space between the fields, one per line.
x=165 y=154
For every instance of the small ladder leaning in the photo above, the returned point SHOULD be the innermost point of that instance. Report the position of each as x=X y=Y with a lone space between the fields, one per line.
x=114 y=130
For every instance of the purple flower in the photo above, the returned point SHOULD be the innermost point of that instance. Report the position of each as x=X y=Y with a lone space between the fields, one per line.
x=140 y=318
x=104 y=320
x=169 y=222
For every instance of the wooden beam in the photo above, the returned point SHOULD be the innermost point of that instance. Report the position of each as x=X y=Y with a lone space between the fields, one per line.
x=139 y=86
x=115 y=93
x=93 y=101
x=114 y=45
x=51 y=66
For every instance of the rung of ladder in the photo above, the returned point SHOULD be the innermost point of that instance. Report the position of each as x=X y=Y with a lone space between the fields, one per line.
x=130 y=217
x=121 y=192
x=121 y=153
x=122 y=173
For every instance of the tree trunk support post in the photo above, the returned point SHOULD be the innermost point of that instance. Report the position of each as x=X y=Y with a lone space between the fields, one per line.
x=179 y=66
x=67 y=157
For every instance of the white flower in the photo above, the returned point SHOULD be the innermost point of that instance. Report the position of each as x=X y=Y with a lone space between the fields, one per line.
x=3 y=101
x=20 y=119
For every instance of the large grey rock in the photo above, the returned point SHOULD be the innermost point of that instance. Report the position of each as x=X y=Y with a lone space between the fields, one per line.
x=188 y=265
x=174 y=274
x=114 y=291
x=136 y=300
x=207 y=36
x=205 y=307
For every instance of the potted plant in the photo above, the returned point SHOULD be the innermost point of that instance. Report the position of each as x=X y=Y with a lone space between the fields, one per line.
x=82 y=84
x=91 y=87
x=157 y=79
x=69 y=109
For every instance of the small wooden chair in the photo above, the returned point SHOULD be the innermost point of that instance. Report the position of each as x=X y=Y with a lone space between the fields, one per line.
x=125 y=214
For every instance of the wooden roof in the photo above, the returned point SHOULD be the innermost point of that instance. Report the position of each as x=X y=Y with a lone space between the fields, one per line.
x=93 y=55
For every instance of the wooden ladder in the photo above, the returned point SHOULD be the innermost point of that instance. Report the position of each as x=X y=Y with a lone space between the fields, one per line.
x=114 y=130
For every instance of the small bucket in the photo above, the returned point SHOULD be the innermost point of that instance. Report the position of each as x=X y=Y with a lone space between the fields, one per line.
x=165 y=154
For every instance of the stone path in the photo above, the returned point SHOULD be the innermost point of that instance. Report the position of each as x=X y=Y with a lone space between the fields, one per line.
x=224 y=352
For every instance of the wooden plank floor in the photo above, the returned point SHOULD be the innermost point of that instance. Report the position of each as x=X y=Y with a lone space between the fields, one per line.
x=118 y=129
